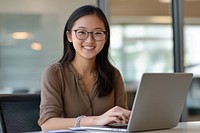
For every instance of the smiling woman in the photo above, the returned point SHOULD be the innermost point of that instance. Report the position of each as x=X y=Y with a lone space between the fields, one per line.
x=83 y=87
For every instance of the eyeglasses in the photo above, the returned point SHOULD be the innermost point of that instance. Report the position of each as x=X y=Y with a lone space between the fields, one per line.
x=97 y=35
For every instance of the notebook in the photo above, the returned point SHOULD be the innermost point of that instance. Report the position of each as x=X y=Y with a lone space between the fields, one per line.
x=158 y=103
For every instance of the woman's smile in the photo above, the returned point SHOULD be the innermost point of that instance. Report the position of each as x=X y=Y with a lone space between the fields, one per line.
x=89 y=47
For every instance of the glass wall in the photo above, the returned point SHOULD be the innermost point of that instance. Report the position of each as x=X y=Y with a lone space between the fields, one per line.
x=31 y=34
x=192 y=54
x=141 y=41
x=142 y=48
x=141 y=38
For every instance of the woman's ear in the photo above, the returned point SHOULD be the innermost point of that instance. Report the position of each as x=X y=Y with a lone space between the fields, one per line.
x=69 y=36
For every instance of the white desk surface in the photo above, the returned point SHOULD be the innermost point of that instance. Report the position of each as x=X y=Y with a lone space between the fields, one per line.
x=183 y=127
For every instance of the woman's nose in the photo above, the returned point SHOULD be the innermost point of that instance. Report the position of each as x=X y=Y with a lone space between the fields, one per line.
x=90 y=37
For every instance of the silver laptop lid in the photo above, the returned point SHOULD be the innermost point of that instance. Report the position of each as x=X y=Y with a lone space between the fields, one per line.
x=159 y=101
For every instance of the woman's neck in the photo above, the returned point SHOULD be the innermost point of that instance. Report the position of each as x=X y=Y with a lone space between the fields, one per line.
x=84 y=67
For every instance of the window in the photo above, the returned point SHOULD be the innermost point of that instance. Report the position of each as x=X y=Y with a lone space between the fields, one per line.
x=141 y=48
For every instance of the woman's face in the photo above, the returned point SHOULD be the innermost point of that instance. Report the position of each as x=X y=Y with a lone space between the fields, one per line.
x=87 y=47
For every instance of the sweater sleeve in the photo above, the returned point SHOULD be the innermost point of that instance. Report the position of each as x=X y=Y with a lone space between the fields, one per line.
x=51 y=84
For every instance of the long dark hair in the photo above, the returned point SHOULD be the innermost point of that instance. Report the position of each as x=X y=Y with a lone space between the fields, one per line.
x=104 y=69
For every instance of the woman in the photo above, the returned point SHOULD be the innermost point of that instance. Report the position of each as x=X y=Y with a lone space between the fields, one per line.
x=83 y=88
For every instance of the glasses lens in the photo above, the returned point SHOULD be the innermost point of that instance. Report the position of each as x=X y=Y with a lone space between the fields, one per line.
x=98 y=35
x=81 y=34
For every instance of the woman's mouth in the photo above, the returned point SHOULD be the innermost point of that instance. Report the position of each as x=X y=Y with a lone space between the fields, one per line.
x=89 y=47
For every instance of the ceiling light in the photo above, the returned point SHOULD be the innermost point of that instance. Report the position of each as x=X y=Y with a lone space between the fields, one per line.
x=20 y=35
x=36 y=46
x=165 y=1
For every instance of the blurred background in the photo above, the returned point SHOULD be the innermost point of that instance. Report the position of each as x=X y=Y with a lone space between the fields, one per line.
x=141 y=41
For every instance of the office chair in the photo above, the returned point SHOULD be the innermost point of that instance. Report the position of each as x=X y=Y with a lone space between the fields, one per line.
x=19 y=113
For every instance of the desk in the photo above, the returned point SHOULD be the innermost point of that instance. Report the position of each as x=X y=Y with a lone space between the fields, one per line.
x=183 y=127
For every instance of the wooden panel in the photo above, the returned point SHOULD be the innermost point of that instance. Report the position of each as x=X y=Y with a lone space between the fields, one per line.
x=151 y=8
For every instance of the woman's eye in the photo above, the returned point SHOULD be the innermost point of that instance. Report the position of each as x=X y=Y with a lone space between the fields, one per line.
x=81 y=32
x=98 y=33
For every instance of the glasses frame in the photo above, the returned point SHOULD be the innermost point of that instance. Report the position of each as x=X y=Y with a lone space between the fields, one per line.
x=105 y=34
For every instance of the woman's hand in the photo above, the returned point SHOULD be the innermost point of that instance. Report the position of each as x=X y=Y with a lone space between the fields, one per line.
x=115 y=115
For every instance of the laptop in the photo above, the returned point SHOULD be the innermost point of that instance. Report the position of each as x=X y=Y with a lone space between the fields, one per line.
x=158 y=103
